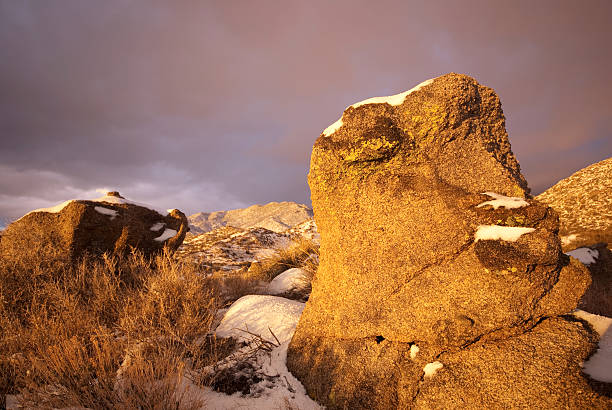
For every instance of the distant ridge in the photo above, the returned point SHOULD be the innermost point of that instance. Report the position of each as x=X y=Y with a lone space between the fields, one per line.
x=584 y=203
x=274 y=216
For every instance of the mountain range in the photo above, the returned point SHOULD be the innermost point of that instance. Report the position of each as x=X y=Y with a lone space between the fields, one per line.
x=274 y=216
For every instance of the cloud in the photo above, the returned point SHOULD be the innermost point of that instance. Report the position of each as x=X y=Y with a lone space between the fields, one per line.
x=213 y=105
x=25 y=190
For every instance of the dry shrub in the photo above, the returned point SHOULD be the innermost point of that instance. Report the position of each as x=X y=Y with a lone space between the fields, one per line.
x=287 y=405
x=235 y=285
x=173 y=315
x=65 y=331
x=295 y=256
x=176 y=301
x=310 y=266
x=154 y=378
x=74 y=371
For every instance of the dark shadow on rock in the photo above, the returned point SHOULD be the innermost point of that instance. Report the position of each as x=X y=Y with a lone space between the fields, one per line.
x=598 y=297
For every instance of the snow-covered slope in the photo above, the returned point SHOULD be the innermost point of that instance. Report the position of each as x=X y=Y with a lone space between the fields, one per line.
x=584 y=204
x=229 y=248
x=306 y=230
x=275 y=216
x=267 y=384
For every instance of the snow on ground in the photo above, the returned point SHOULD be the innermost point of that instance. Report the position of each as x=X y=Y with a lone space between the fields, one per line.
x=508 y=202
x=585 y=255
x=289 y=280
x=504 y=233
x=259 y=314
x=279 y=388
x=599 y=366
x=230 y=249
x=167 y=234
x=285 y=391
x=306 y=230
x=106 y=211
x=396 y=99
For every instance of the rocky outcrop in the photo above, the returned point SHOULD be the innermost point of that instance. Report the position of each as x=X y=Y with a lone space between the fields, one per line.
x=584 y=204
x=438 y=276
x=110 y=224
x=598 y=260
x=274 y=216
x=231 y=249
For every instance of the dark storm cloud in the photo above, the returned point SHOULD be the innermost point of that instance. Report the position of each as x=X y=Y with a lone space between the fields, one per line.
x=213 y=105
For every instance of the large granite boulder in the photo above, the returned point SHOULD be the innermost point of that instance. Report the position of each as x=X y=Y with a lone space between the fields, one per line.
x=110 y=224
x=433 y=257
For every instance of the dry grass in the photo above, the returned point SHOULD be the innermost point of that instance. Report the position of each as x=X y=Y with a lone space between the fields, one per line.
x=287 y=405
x=236 y=285
x=118 y=332
x=110 y=333
x=302 y=253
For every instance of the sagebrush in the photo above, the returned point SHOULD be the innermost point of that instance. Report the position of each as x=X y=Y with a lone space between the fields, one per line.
x=105 y=333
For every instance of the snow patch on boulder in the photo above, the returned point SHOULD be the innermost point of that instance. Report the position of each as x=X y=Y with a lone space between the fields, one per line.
x=431 y=368
x=111 y=199
x=394 y=100
x=260 y=314
x=599 y=366
x=167 y=234
x=414 y=350
x=504 y=233
x=289 y=280
x=585 y=255
x=508 y=202
x=106 y=211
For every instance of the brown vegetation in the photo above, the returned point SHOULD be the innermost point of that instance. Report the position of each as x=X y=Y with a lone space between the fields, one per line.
x=118 y=332
x=115 y=333
x=302 y=253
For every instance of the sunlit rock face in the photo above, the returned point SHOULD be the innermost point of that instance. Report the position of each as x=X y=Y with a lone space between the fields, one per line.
x=433 y=256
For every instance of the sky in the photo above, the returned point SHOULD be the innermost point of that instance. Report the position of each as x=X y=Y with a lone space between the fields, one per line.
x=212 y=105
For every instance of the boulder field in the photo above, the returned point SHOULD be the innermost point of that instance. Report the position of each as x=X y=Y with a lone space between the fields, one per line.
x=441 y=283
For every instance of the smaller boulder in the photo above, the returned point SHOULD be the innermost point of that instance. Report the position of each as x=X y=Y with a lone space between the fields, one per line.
x=110 y=224
x=598 y=260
